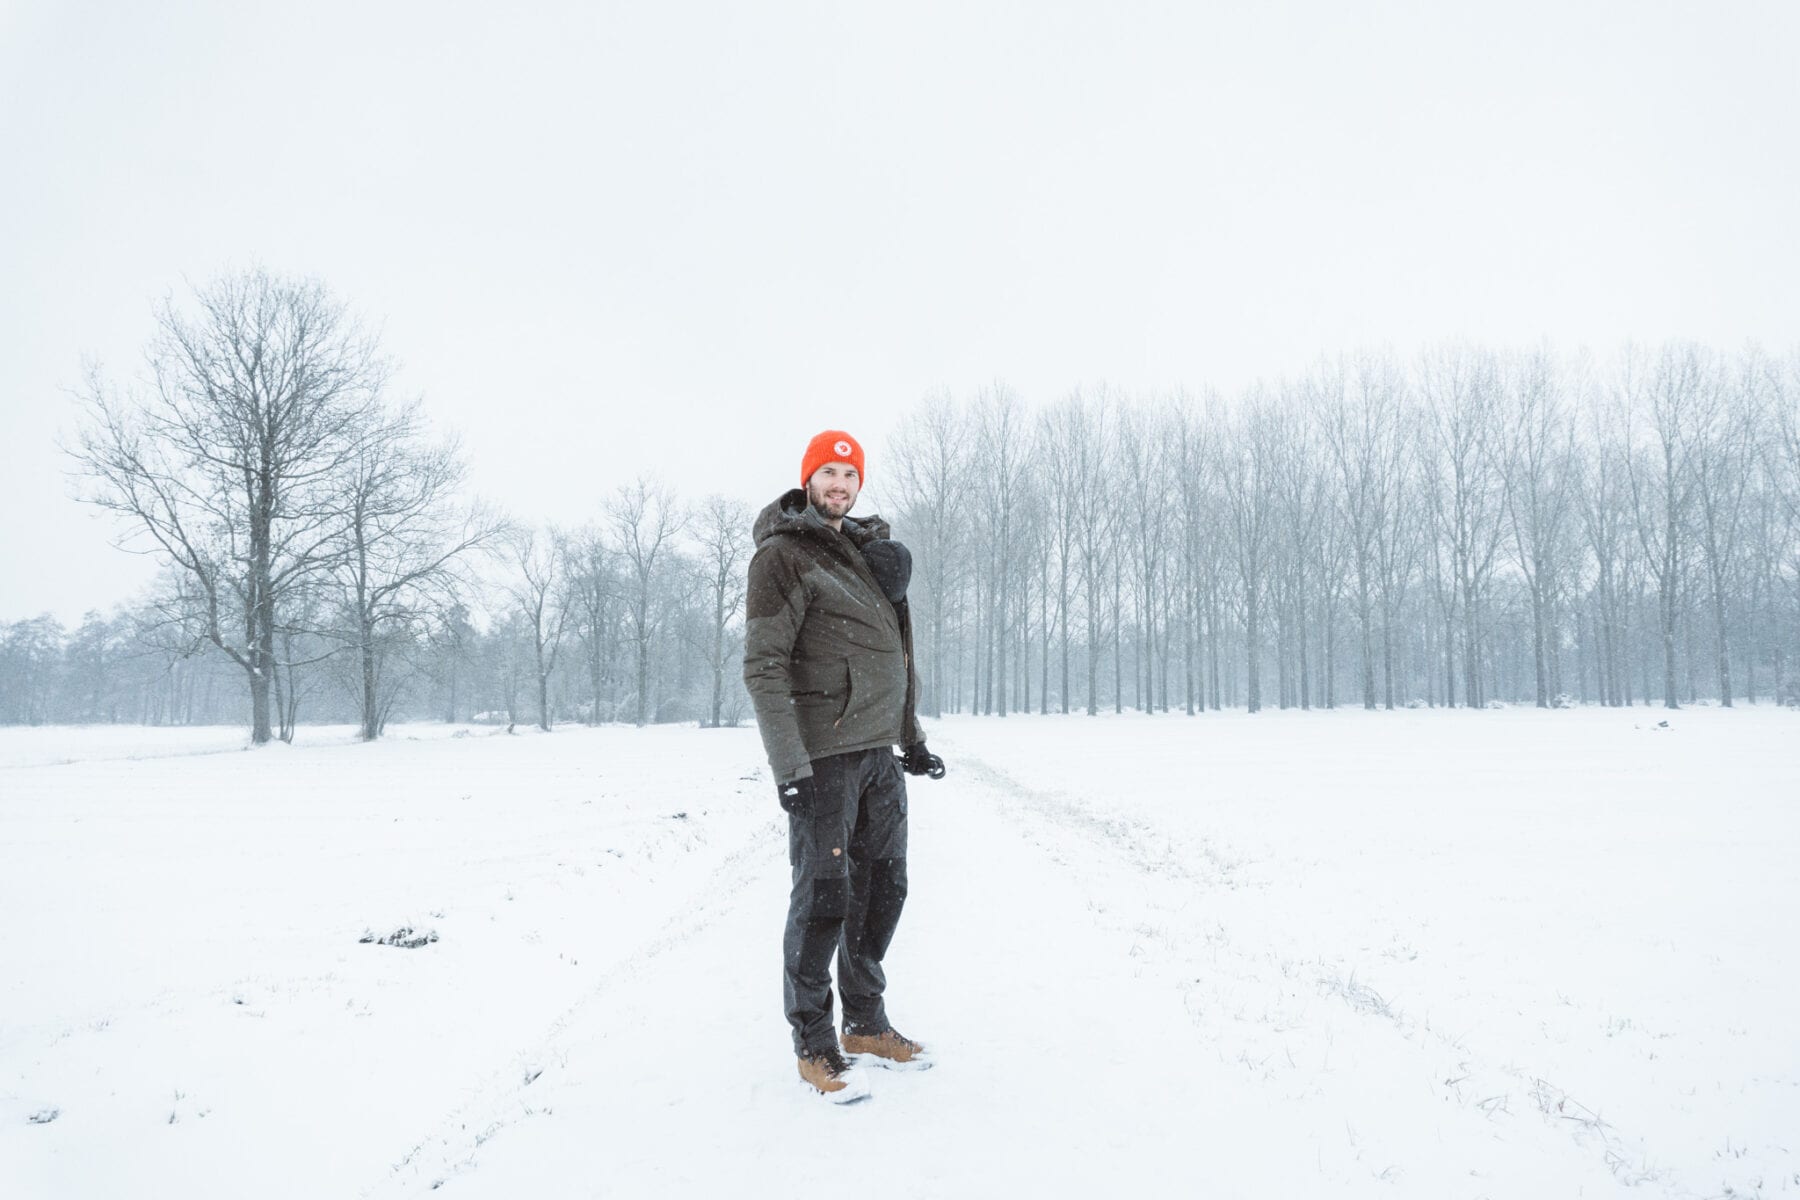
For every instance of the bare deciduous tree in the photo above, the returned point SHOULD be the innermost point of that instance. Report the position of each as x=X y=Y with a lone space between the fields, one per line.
x=539 y=590
x=1361 y=422
x=926 y=462
x=260 y=392
x=1247 y=468
x=645 y=522
x=596 y=594
x=405 y=536
x=1534 y=449
x=722 y=528
x=1144 y=462
x=1004 y=437
x=1604 y=506
x=1465 y=499
x=1087 y=428
x=1661 y=394
x=1726 y=426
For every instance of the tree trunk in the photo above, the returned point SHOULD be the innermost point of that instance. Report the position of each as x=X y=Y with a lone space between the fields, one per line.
x=1667 y=607
x=1118 y=616
x=1366 y=627
x=371 y=719
x=594 y=674
x=1305 y=649
x=1000 y=624
x=260 y=733
x=1387 y=659
x=1093 y=655
x=1252 y=665
x=1331 y=657
x=1721 y=647
x=1537 y=644
x=1471 y=651
x=1044 y=628
x=941 y=656
x=643 y=678
x=1062 y=616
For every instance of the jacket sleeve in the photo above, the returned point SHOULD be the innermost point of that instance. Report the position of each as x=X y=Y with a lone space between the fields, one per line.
x=774 y=608
x=910 y=732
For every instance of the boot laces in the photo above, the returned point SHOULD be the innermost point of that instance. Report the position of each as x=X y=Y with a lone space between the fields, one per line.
x=833 y=1058
x=890 y=1034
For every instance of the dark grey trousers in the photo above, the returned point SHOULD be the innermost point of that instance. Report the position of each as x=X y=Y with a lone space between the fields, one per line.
x=849 y=859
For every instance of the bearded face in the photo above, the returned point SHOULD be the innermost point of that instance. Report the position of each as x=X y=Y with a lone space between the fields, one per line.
x=833 y=489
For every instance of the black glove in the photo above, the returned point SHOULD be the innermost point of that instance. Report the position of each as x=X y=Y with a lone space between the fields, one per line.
x=917 y=760
x=797 y=797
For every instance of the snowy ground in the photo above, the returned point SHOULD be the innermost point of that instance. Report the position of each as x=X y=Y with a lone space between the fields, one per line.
x=34 y=746
x=1414 y=954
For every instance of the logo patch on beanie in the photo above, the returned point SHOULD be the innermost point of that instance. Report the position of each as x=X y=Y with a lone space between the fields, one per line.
x=841 y=448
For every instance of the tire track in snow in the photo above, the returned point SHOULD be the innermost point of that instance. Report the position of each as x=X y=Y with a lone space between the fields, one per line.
x=1176 y=873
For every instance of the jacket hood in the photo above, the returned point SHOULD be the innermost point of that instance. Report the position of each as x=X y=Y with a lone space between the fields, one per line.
x=789 y=514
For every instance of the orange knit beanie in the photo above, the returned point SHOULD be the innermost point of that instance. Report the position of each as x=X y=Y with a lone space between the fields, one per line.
x=834 y=445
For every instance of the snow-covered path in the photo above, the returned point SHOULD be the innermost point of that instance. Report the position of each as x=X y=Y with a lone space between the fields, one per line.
x=1225 y=957
x=1064 y=1070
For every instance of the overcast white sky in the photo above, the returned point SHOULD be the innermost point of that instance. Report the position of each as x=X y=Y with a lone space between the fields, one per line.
x=602 y=238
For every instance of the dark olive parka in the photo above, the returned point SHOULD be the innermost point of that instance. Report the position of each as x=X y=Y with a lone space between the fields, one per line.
x=827 y=658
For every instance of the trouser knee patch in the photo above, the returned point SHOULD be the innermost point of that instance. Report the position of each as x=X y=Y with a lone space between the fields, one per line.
x=830 y=899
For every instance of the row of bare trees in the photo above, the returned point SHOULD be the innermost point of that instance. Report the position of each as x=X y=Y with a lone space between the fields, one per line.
x=315 y=537
x=646 y=597
x=633 y=617
x=1468 y=527
x=556 y=626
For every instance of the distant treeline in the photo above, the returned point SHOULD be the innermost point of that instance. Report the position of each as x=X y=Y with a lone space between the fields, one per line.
x=321 y=558
x=1469 y=527
x=124 y=668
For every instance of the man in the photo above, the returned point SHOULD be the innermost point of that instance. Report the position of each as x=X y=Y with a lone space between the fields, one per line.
x=829 y=664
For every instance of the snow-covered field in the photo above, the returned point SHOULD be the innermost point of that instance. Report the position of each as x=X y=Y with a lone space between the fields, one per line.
x=32 y=746
x=1424 y=954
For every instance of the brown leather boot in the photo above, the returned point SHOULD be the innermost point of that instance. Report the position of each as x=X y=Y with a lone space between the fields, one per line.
x=890 y=1048
x=834 y=1078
